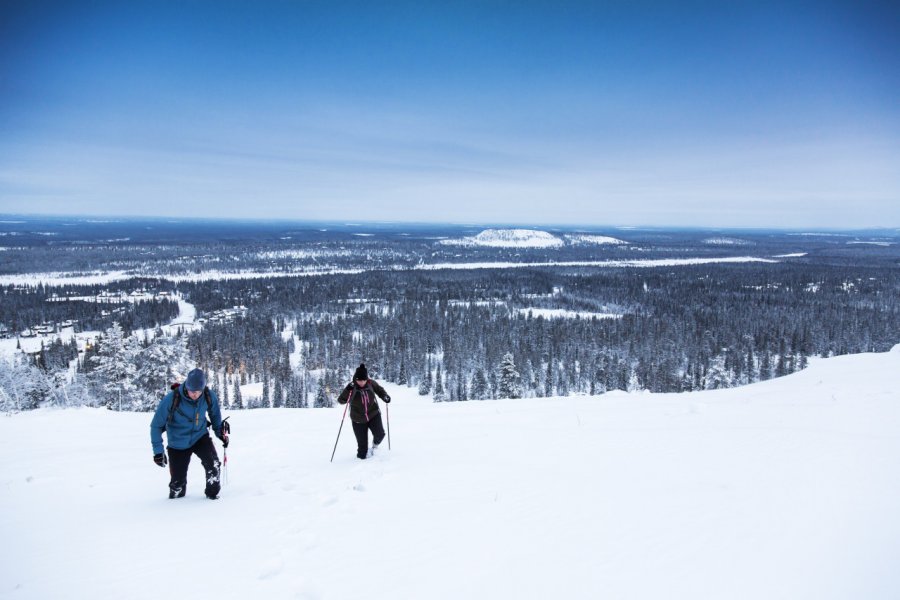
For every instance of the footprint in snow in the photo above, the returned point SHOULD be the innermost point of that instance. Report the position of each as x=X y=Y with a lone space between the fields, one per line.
x=359 y=487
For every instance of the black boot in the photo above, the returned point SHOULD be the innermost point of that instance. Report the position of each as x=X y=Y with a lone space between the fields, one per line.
x=177 y=491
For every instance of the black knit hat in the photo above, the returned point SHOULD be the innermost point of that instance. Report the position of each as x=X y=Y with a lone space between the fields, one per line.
x=361 y=374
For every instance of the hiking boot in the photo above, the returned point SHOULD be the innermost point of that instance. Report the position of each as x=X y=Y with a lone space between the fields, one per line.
x=176 y=493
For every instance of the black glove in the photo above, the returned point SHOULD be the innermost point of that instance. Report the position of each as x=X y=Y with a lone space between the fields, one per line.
x=160 y=459
x=387 y=399
x=223 y=432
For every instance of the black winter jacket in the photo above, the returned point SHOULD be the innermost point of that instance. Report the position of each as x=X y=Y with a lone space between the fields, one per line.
x=363 y=405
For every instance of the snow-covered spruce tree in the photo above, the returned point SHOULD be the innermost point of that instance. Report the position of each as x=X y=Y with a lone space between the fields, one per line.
x=323 y=398
x=114 y=377
x=425 y=384
x=23 y=386
x=225 y=395
x=717 y=376
x=238 y=398
x=301 y=384
x=402 y=375
x=480 y=389
x=438 y=386
x=278 y=394
x=462 y=392
x=162 y=362
x=508 y=378
x=265 y=389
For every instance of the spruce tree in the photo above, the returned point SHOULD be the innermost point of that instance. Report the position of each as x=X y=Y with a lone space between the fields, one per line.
x=438 y=386
x=278 y=394
x=508 y=378
x=238 y=398
x=425 y=384
x=480 y=389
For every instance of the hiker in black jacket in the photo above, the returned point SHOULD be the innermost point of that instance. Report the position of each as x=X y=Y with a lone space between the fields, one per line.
x=364 y=412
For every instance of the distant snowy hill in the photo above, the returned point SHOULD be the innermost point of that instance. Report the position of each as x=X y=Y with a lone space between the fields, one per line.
x=509 y=238
x=529 y=238
x=599 y=240
x=726 y=241
x=785 y=489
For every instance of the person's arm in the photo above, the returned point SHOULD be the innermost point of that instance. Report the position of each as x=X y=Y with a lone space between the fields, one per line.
x=215 y=413
x=345 y=395
x=380 y=391
x=220 y=428
x=158 y=424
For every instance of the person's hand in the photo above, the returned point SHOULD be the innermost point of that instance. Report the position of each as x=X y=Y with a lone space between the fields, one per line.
x=223 y=432
x=387 y=399
x=160 y=459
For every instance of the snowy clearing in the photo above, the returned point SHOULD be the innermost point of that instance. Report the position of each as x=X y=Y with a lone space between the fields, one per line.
x=562 y=313
x=57 y=279
x=649 y=263
x=782 y=490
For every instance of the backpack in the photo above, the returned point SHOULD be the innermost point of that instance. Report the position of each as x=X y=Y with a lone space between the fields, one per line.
x=176 y=398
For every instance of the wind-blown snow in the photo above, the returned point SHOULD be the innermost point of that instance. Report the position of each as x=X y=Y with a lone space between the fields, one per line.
x=785 y=489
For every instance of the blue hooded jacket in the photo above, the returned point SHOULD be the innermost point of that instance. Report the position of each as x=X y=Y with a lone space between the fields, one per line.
x=188 y=420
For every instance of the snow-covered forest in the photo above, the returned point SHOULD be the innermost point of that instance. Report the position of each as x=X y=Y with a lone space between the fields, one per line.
x=279 y=315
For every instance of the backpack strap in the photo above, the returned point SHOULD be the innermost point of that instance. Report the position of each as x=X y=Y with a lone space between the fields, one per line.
x=176 y=398
x=208 y=407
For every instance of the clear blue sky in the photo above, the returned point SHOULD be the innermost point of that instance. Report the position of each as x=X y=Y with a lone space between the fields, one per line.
x=609 y=113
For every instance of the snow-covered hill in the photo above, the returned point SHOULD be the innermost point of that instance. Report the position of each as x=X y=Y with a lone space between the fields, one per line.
x=509 y=238
x=784 y=489
x=530 y=238
x=594 y=240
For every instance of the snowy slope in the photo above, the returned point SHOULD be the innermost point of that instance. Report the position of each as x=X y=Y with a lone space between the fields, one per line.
x=784 y=489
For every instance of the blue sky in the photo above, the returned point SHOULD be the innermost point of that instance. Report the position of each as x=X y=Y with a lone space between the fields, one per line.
x=609 y=113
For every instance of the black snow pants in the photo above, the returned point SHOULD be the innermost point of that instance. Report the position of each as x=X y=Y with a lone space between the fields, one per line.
x=178 y=467
x=361 y=431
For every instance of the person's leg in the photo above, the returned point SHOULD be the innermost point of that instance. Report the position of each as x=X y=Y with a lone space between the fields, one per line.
x=206 y=451
x=377 y=429
x=361 y=431
x=178 y=468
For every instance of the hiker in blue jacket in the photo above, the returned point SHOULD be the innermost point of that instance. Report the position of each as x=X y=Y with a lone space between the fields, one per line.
x=182 y=415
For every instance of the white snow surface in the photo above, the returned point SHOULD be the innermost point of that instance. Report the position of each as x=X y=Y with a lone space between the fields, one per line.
x=786 y=489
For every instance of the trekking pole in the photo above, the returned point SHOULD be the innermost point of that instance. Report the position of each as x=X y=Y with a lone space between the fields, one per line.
x=339 y=431
x=225 y=450
x=225 y=463
x=387 y=410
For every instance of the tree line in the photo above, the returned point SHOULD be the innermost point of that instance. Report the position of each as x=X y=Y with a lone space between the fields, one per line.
x=480 y=334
